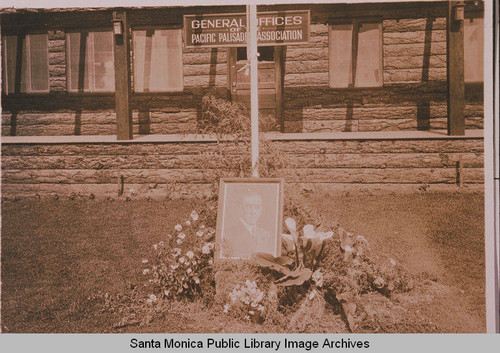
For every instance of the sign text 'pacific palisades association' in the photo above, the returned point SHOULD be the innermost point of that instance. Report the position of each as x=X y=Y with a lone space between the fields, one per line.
x=230 y=30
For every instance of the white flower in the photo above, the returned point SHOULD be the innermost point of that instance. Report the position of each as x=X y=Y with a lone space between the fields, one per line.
x=179 y=241
x=210 y=261
x=205 y=249
x=188 y=223
x=288 y=240
x=188 y=271
x=145 y=271
x=155 y=246
x=161 y=243
x=196 y=281
x=182 y=259
x=167 y=292
x=190 y=254
x=153 y=297
x=309 y=231
x=202 y=226
x=173 y=267
x=260 y=308
x=194 y=215
x=291 y=224
x=182 y=235
x=226 y=308
x=176 y=252
x=145 y=261
x=287 y=236
x=178 y=227
x=132 y=191
x=379 y=282
x=393 y=262
x=251 y=312
x=318 y=278
x=312 y=294
x=199 y=233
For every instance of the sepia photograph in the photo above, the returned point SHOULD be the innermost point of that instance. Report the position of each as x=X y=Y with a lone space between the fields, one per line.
x=247 y=168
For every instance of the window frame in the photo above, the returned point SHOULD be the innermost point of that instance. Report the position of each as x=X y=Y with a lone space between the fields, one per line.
x=133 y=61
x=356 y=24
x=5 y=78
x=91 y=89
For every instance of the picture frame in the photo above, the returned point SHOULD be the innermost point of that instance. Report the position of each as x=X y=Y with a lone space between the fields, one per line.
x=249 y=217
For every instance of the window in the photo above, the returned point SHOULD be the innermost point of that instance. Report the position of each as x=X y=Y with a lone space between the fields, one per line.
x=265 y=53
x=473 y=49
x=26 y=63
x=157 y=60
x=90 y=62
x=355 y=51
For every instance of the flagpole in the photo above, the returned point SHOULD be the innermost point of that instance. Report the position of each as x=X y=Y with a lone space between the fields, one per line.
x=254 y=87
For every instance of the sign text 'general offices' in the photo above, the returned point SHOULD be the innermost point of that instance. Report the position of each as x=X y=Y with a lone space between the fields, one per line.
x=230 y=30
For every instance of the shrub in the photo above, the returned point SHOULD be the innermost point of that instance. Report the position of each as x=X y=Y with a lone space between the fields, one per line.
x=181 y=266
x=230 y=123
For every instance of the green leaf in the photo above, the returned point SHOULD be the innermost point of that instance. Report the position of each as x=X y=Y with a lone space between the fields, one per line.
x=275 y=263
x=295 y=278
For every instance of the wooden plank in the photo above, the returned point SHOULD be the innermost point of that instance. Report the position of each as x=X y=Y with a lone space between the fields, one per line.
x=265 y=95
x=201 y=161
x=388 y=176
x=455 y=72
x=113 y=149
x=74 y=176
x=103 y=190
x=122 y=80
x=294 y=147
x=162 y=176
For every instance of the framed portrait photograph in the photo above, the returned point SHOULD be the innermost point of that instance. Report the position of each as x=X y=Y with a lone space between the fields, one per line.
x=249 y=218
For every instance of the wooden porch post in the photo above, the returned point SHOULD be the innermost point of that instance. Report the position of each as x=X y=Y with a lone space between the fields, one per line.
x=455 y=68
x=122 y=76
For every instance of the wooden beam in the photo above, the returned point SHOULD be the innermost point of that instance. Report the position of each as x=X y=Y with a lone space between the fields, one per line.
x=455 y=70
x=122 y=78
x=279 y=62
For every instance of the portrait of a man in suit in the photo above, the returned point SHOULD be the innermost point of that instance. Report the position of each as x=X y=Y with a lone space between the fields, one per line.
x=246 y=234
x=249 y=217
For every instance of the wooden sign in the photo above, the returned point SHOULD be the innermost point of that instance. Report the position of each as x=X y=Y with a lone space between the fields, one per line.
x=230 y=30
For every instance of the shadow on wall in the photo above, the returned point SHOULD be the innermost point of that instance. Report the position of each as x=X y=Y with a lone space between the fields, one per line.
x=423 y=107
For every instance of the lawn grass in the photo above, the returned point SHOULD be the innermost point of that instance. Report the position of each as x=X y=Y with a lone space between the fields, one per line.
x=58 y=253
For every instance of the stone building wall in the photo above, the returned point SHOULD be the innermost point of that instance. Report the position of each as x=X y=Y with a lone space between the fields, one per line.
x=175 y=167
